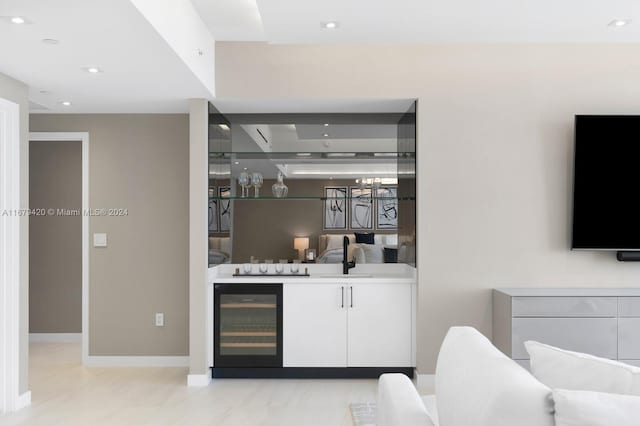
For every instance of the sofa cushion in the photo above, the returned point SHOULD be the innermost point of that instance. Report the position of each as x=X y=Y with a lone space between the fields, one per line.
x=586 y=408
x=558 y=368
x=478 y=385
x=399 y=403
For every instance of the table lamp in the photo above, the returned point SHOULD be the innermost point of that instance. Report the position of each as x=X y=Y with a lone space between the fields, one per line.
x=301 y=244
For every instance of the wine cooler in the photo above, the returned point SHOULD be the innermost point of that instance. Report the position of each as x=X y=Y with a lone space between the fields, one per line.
x=248 y=325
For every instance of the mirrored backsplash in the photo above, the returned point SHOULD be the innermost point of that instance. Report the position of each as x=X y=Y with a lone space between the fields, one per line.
x=341 y=174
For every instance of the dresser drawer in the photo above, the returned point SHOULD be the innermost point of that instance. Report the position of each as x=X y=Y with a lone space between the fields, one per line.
x=629 y=306
x=595 y=336
x=564 y=306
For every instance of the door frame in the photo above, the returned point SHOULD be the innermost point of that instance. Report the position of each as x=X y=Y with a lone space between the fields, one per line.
x=9 y=256
x=82 y=137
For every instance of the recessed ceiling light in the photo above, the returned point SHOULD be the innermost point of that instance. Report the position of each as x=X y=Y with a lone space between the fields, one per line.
x=223 y=126
x=236 y=162
x=330 y=25
x=326 y=135
x=326 y=124
x=66 y=103
x=619 y=22
x=92 y=70
x=50 y=41
x=18 y=20
x=304 y=154
x=245 y=168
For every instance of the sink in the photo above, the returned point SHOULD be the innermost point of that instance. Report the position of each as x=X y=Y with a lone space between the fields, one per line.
x=341 y=276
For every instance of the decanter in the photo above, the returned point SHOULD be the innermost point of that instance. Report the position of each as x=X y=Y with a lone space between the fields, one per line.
x=279 y=189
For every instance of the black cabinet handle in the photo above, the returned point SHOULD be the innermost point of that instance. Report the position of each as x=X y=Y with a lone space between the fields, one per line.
x=342 y=292
x=351 y=296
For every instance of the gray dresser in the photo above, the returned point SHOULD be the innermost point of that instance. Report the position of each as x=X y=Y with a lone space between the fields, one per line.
x=601 y=322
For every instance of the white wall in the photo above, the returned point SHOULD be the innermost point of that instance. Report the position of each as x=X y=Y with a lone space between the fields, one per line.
x=18 y=92
x=495 y=135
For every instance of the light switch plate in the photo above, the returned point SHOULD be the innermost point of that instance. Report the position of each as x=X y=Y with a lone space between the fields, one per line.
x=159 y=319
x=99 y=240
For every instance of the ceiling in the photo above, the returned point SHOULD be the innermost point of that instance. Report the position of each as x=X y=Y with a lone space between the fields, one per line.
x=421 y=21
x=231 y=20
x=141 y=72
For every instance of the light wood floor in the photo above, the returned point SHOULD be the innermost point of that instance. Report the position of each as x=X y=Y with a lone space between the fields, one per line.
x=65 y=393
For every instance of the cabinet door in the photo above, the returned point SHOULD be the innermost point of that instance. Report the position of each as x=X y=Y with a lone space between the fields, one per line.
x=314 y=325
x=379 y=324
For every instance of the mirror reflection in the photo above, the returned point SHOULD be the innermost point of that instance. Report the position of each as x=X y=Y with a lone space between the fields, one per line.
x=289 y=187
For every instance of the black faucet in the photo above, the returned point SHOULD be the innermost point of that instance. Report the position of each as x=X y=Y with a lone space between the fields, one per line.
x=346 y=265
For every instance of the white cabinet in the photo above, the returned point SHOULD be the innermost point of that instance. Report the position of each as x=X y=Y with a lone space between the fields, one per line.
x=379 y=324
x=601 y=322
x=347 y=325
x=314 y=322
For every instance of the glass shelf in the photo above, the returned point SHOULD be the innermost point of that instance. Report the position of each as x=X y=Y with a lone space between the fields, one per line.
x=310 y=156
x=305 y=197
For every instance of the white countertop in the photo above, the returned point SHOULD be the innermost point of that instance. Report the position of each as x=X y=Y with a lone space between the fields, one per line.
x=319 y=274
x=570 y=292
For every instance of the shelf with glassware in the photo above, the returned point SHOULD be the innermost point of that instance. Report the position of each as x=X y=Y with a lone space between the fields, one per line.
x=251 y=185
x=310 y=156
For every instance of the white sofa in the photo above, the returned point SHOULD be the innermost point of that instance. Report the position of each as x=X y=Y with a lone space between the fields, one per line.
x=476 y=385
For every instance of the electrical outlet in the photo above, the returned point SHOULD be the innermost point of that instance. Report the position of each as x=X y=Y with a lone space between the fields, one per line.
x=159 y=319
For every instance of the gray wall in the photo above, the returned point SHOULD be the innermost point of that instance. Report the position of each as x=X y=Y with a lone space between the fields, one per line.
x=266 y=228
x=141 y=163
x=16 y=91
x=495 y=131
x=55 y=241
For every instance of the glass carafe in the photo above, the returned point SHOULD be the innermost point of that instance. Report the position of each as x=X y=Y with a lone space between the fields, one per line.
x=279 y=189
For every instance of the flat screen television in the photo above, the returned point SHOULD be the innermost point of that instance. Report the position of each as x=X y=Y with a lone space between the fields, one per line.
x=606 y=193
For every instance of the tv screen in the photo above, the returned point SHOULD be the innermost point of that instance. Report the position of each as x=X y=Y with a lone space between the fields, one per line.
x=606 y=194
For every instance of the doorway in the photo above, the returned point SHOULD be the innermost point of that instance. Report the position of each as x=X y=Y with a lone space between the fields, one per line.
x=55 y=241
x=67 y=147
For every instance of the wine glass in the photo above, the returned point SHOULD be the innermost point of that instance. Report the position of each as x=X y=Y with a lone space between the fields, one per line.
x=256 y=181
x=264 y=268
x=247 y=268
x=295 y=267
x=279 y=268
x=243 y=181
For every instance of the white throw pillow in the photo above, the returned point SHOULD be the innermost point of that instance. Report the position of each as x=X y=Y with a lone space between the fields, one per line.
x=558 y=368
x=477 y=385
x=373 y=253
x=585 y=408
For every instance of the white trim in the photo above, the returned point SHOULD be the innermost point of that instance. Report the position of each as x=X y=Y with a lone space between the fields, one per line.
x=198 y=380
x=425 y=380
x=24 y=400
x=137 y=361
x=9 y=256
x=55 y=337
x=84 y=138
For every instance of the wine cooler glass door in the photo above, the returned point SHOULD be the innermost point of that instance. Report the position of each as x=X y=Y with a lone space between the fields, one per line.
x=248 y=325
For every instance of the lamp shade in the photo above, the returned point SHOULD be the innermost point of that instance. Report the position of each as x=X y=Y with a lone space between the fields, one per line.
x=301 y=243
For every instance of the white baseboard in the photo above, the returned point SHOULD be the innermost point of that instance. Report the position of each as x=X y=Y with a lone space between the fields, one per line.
x=136 y=361
x=198 y=380
x=24 y=400
x=55 y=337
x=425 y=380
